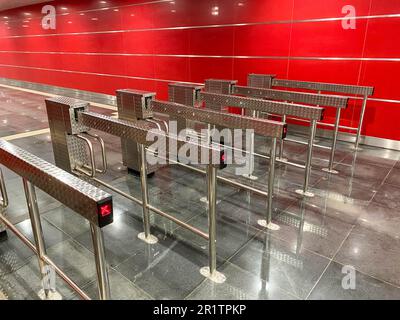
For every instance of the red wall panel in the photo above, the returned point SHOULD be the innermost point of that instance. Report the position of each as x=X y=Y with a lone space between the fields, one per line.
x=103 y=46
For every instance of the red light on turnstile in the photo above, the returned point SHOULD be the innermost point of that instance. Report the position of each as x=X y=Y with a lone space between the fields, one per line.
x=105 y=210
x=223 y=158
x=284 y=131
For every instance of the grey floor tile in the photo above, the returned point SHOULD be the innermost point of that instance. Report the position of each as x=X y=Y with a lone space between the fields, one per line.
x=366 y=288
x=311 y=228
x=120 y=287
x=281 y=264
x=381 y=219
x=168 y=270
x=75 y=260
x=373 y=253
x=68 y=221
x=239 y=285
x=389 y=196
x=394 y=177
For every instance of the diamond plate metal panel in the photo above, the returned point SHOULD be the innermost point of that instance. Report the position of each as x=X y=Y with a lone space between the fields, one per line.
x=132 y=104
x=296 y=110
x=260 y=80
x=261 y=126
x=298 y=97
x=220 y=86
x=321 y=86
x=71 y=191
x=184 y=93
x=68 y=150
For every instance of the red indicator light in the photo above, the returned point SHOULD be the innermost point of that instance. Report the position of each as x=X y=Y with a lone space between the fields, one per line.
x=105 y=210
x=223 y=157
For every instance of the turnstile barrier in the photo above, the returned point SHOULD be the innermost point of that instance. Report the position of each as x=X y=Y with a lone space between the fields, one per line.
x=85 y=199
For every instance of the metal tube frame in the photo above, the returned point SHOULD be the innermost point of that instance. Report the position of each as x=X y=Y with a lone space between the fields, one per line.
x=39 y=248
x=360 y=123
x=146 y=236
x=211 y=271
x=267 y=223
x=304 y=191
x=37 y=231
x=334 y=142
x=101 y=264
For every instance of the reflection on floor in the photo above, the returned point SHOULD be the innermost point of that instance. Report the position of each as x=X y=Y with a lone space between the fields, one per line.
x=354 y=220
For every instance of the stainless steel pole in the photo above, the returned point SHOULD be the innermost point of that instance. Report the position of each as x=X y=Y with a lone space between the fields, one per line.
x=251 y=155
x=360 y=124
x=334 y=143
x=146 y=235
x=281 y=158
x=211 y=271
x=305 y=192
x=101 y=264
x=37 y=231
x=271 y=179
x=212 y=203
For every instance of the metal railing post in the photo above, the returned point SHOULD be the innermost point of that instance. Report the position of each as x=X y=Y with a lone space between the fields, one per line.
x=101 y=264
x=37 y=232
x=334 y=143
x=282 y=143
x=211 y=271
x=251 y=154
x=304 y=191
x=146 y=236
x=267 y=223
x=360 y=124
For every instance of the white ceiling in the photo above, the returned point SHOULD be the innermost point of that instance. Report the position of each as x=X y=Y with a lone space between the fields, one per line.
x=10 y=4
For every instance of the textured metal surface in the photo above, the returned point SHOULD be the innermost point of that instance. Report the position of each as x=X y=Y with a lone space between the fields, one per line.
x=321 y=86
x=184 y=93
x=132 y=104
x=298 y=97
x=133 y=130
x=138 y=131
x=71 y=191
x=220 y=86
x=261 y=126
x=69 y=151
x=282 y=108
x=260 y=80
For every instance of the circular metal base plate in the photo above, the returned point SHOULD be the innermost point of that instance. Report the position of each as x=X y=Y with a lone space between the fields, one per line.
x=150 y=239
x=269 y=226
x=51 y=295
x=216 y=277
x=250 y=176
x=330 y=171
x=282 y=159
x=307 y=194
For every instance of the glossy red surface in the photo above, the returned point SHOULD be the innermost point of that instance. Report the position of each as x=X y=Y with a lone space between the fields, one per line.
x=102 y=46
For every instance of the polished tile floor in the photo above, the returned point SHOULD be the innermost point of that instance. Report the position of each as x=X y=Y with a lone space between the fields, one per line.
x=354 y=220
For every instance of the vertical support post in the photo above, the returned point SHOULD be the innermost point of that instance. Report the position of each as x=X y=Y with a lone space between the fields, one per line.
x=281 y=158
x=145 y=236
x=3 y=205
x=44 y=268
x=211 y=271
x=271 y=179
x=360 y=124
x=101 y=264
x=334 y=142
x=305 y=192
x=251 y=154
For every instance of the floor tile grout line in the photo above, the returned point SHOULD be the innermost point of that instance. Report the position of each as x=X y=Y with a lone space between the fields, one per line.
x=330 y=262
